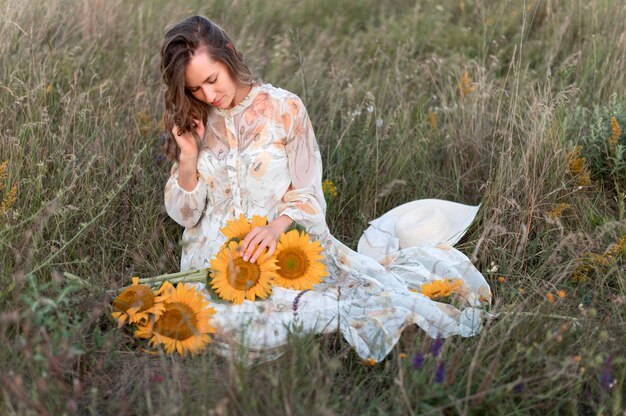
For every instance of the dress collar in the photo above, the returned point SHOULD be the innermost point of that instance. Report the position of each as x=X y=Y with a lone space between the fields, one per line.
x=243 y=104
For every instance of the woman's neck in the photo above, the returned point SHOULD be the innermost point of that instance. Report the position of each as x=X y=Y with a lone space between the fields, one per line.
x=240 y=94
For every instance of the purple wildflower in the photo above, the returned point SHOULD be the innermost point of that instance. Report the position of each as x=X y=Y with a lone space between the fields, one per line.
x=435 y=348
x=418 y=360
x=440 y=372
x=296 y=301
x=518 y=388
x=605 y=376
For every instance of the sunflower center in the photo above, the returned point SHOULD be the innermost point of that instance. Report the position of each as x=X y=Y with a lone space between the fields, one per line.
x=293 y=263
x=136 y=296
x=243 y=275
x=177 y=322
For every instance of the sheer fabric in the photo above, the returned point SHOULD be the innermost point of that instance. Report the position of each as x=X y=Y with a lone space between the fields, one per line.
x=262 y=158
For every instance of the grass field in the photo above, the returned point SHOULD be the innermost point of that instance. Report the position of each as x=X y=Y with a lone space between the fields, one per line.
x=518 y=105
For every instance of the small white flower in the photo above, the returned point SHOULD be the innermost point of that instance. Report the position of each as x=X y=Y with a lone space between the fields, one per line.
x=379 y=122
x=370 y=108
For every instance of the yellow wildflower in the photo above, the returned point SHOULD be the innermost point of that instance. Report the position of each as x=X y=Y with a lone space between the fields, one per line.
x=370 y=361
x=3 y=173
x=550 y=297
x=618 y=249
x=557 y=211
x=501 y=279
x=561 y=294
x=584 y=179
x=616 y=132
x=580 y=274
x=432 y=119
x=465 y=86
x=329 y=188
x=600 y=260
x=576 y=166
x=9 y=200
x=440 y=288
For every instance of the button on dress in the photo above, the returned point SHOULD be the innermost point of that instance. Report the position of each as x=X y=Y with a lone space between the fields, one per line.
x=261 y=158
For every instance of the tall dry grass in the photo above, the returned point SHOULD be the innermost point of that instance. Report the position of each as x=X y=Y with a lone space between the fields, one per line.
x=79 y=110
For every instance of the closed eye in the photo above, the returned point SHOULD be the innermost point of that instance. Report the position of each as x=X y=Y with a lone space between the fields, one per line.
x=208 y=81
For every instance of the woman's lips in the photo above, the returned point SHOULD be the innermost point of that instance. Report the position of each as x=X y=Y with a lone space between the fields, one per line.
x=216 y=103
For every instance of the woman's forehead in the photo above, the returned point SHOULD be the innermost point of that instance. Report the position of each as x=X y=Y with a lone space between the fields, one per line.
x=200 y=67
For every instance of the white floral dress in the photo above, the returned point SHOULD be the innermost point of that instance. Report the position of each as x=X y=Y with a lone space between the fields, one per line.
x=262 y=158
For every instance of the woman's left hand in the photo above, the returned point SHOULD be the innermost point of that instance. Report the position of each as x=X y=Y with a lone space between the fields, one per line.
x=264 y=237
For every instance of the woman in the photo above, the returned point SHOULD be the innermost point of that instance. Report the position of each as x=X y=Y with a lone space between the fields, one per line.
x=243 y=147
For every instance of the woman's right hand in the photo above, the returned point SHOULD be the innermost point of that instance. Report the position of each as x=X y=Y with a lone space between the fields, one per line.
x=186 y=142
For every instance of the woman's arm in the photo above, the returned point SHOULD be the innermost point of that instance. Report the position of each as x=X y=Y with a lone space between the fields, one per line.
x=304 y=200
x=183 y=206
x=185 y=195
x=188 y=172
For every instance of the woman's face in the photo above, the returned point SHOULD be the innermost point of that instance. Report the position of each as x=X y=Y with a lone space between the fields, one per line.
x=210 y=81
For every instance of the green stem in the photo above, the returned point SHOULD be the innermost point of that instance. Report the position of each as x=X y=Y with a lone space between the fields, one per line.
x=186 y=276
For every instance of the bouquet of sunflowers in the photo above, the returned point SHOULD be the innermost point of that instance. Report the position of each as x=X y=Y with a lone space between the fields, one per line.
x=179 y=316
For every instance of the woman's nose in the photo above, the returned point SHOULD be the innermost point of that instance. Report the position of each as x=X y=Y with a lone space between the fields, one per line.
x=209 y=94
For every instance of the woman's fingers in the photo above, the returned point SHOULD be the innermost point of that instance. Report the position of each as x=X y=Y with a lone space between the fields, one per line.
x=246 y=241
x=259 y=239
x=199 y=127
x=266 y=243
x=272 y=248
x=249 y=246
x=185 y=141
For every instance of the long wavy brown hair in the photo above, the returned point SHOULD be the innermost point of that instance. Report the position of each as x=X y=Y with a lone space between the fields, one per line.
x=179 y=45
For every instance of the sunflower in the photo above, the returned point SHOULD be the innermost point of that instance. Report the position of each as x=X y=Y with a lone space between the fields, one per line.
x=135 y=304
x=298 y=261
x=241 y=227
x=235 y=279
x=440 y=288
x=184 y=325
